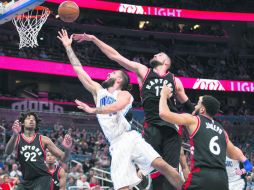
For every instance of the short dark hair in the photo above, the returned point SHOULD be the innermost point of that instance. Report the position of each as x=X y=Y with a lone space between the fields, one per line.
x=212 y=105
x=126 y=80
x=23 y=116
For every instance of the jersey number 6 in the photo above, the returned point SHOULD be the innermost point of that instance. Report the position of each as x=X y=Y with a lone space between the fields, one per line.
x=213 y=146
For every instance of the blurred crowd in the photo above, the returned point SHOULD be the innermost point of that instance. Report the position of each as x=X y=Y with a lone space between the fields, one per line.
x=188 y=65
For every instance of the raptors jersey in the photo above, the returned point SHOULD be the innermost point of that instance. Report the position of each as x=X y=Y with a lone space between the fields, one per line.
x=150 y=94
x=208 y=145
x=231 y=167
x=113 y=124
x=31 y=157
x=56 y=177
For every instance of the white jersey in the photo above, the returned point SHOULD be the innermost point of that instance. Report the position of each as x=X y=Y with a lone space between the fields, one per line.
x=113 y=124
x=231 y=166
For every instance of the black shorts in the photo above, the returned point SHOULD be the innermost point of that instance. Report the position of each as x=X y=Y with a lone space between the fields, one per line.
x=167 y=142
x=208 y=179
x=40 y=183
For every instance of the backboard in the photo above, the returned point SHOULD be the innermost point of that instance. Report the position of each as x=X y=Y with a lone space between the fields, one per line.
x=16 y=7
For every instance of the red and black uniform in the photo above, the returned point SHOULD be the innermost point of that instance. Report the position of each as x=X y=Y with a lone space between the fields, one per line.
x=208 y=155
x=160 y=134
x=31 y=156
x=56 y=178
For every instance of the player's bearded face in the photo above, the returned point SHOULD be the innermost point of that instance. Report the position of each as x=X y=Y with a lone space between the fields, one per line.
x=108 y=83
x=196 y=111
x=155 y=63
x=30 y=124
x=198 y=107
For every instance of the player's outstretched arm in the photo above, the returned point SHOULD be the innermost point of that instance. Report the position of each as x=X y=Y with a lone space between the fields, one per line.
x=62 y=180
x=182 y=97
x=114 y=55
x=123 y=99
x=187 y=120
x=11 y=145
x=235 y=153
x=67 y=144
x=84 y=78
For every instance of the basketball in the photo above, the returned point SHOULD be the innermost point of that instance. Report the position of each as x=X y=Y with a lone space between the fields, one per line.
x=68 y=11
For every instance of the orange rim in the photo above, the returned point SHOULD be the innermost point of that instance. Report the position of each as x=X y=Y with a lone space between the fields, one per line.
x=38 y=8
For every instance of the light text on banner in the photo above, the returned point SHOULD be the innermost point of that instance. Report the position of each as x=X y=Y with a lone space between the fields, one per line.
x=161 y=11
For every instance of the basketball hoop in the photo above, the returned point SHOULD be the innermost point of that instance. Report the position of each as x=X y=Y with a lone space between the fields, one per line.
x=29 y=24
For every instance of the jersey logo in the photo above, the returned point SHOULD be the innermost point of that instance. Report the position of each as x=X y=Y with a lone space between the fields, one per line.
x=158 y=84
x=106 y=100
x=56 y=182
x=229 y=164
x=30 y=153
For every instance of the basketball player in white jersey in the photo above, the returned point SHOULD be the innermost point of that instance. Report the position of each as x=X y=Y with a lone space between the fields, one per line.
x=234 y=174
x=127 y=147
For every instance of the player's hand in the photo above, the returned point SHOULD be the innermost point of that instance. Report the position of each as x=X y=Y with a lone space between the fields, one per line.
x=16 y=127
x=85 y=107
x=166 y=91
x=240 y=171
x=67 y=141
x=140 y=174
x=82 y=37
x=63 y=37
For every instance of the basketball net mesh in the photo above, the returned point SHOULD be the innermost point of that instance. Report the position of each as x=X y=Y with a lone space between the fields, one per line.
x=28 y=26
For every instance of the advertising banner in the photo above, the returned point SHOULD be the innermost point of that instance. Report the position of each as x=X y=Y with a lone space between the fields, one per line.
x=63 y=69
x=160 y=11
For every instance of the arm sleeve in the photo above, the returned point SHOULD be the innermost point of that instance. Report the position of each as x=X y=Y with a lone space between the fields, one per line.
x=188 y=107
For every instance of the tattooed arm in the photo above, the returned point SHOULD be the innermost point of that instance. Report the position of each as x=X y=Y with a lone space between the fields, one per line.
x=84 y=78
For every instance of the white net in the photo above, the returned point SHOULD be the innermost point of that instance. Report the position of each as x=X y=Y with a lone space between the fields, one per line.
x=28 y=26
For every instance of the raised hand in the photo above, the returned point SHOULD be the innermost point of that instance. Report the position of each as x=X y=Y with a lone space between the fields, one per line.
x=16 y=127
x=82 y=37
x=166 y=91
x=63 y=37
x=240 y=171
x=83 y=106
x=67 y=141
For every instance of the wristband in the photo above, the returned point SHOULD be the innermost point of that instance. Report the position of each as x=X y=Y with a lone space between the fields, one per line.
x=247 y=165
x=188 y=106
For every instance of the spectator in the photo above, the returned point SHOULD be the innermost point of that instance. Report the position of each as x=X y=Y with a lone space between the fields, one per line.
x=86 y=166
x=94 y=182
x=1 y=52
x=43 y=55
x=8 y=183
x=74 y=173
x=1 y=182
x=15 y=172
x=250 y=181
x=82 y=182
x=58 y=127
x=71 y=183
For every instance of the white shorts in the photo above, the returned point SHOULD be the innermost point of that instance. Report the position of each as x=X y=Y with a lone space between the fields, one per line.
x=126 y=151
x=237 y=185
